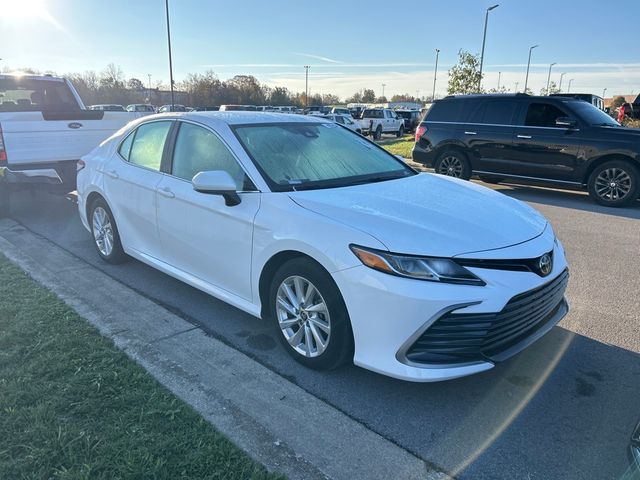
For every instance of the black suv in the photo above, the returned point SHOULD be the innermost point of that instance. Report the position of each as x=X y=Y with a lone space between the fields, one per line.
x=411 y=118
x=534 y=140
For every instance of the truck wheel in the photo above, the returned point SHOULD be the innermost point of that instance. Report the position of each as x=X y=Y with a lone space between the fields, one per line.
x=453 y=163
x=377 y=135
x=614 y=184
x=400 y=131
x=5 y=200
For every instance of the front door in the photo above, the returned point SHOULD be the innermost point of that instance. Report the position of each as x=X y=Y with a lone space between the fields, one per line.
x=200 y=235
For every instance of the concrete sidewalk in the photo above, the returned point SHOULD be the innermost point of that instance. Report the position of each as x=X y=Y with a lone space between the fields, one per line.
x=276 y=422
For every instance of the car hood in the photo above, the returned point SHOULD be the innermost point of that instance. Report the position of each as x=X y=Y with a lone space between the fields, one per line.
x=428 y=214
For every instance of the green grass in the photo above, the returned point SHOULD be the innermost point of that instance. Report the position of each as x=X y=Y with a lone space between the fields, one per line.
x=73 y=406
x=399 y=146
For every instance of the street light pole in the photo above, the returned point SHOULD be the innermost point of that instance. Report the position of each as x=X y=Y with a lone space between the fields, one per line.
x=484 y=39
x=306 y=85
x=526 y=80
x=166 y=5
x=561 y=76
x=569 y=88
x=435 y=75
x=149 y=89
x=603 y=92
x=499 y=75
x=517 y=83
x=383 y=85
x=549 y=77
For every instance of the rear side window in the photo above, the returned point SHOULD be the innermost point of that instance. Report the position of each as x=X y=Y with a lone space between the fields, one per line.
x=373 y=114
x=495 y=112
x=32 y=95
x=125 y=147
x=543 y=115
x=148 y=144
x=455 y=110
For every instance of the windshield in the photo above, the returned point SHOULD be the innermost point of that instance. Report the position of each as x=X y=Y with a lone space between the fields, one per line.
x=593 y=115
x=296 y=156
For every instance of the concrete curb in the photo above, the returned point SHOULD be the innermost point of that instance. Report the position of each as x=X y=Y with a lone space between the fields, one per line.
x=276 y=422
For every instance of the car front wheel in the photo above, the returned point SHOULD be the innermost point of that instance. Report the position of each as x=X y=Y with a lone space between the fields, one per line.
x=310 y=315
x=105 y=233
x=614 y=184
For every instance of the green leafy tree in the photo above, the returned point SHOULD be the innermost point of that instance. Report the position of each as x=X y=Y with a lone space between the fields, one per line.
x=464 y=76
x=368 y=96
x=553 y=88
x=617 y=101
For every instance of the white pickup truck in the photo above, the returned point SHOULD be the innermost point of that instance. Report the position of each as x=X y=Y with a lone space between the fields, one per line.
x=376 y=121
x=44 y=130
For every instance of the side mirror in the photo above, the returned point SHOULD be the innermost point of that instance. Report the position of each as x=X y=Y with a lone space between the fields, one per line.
x=217 y=182
x=565 y=122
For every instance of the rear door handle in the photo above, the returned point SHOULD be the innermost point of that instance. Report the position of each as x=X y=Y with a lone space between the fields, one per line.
x=470 y=133
x=165 y=192
x=112 y=174
x=524 y=136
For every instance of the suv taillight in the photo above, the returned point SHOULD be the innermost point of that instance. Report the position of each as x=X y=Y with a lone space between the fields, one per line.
x=420 y=131
x=3 y=151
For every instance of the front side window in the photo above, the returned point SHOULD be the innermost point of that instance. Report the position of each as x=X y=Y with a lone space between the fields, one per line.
x=543 y=115
x=294 y=156
x=148 y=144
x=199 y=150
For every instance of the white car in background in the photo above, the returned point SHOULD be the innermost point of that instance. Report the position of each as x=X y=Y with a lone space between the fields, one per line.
x=142 y=108
x=353 y=255
x=346 y=120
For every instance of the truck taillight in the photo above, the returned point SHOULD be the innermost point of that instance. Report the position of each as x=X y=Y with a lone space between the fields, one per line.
x=420 y=131
x=3 y=151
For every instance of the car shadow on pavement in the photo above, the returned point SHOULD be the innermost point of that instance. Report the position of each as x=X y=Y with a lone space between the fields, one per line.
x=564 y=198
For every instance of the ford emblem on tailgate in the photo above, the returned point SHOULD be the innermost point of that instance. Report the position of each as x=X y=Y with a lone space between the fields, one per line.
x=74 y=125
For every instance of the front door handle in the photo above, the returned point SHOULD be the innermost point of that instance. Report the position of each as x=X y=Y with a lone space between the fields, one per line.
x=470 y=133
x=524 y=136
x=112 y=174
x=165 y=192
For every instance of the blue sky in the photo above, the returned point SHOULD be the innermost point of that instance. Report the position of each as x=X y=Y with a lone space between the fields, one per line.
x=350 y=44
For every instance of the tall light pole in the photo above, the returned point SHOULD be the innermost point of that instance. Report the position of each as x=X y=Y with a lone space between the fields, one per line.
x=549 y=77
x=569 y=88
x=383 y=85
x=166 y=6
x=435 y=75
x=306 y=85
x=526 y=79
x=560 y=86
x=149 y=89
x=499 y=75
x=484 y=39
x=603 y=92
x=517 y=83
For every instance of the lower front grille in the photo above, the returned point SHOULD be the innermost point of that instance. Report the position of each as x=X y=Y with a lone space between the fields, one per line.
x=462 y=338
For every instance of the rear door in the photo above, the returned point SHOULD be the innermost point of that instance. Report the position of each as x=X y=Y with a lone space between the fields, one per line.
x=541 y=149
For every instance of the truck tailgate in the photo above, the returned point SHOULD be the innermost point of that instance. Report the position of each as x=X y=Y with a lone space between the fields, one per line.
x=46 y=137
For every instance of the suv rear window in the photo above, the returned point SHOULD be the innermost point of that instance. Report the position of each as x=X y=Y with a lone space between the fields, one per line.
x=30 y=95
x=495 y=112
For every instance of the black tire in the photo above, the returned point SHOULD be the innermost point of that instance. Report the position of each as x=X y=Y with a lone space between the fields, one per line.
x=453 y=163
x=339 y=349
x=377 y=135
x=5 y=200
x=400 y=131
x=490 y=179
x=116 y=254
x=623 y=174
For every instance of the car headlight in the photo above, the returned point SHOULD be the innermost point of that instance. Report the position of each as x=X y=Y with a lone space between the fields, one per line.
x=433 y=269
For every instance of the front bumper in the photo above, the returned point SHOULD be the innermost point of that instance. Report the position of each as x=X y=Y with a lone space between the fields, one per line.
x=388 y=313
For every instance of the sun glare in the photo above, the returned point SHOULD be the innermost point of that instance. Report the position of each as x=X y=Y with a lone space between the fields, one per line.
x=15 y=11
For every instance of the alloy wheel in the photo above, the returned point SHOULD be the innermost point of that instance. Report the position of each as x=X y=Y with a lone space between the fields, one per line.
x=102 y=231
x=450 y=166
x=303 y=316
x=613 y=184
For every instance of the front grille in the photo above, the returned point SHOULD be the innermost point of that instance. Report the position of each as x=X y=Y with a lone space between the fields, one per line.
x=462 y=338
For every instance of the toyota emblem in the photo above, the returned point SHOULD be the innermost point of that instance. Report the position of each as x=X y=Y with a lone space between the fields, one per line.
x=545 y=264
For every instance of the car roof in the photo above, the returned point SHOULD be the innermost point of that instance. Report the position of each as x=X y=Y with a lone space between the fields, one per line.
x=239 y=117
x=518 y=96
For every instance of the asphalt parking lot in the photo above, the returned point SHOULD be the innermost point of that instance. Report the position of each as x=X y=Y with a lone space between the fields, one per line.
x=564 y=408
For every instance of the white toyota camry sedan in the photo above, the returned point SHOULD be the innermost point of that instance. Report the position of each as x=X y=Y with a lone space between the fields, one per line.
x=352 y=255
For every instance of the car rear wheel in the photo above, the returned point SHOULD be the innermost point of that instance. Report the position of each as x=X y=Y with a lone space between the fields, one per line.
x=310 y=315
x=453 y=163
x=105 y=233
x=614 y=184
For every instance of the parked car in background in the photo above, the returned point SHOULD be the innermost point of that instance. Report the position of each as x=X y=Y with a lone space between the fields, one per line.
x=376 y=121
x=172 y=108
x=329 y=237
x=44 y=130
x=142 y=108
x=341 y=111
x=535 y=140
x=238 y=108
x=107 y=108
x=594 y=100
x=345 y=120
x=411 y=119
x=265 y=108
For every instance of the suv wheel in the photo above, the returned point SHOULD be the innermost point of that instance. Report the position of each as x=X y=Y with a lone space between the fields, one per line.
x=310 y=315
x=453 y=163
x=400 y=131
x=614 y=184
x=105 y=233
